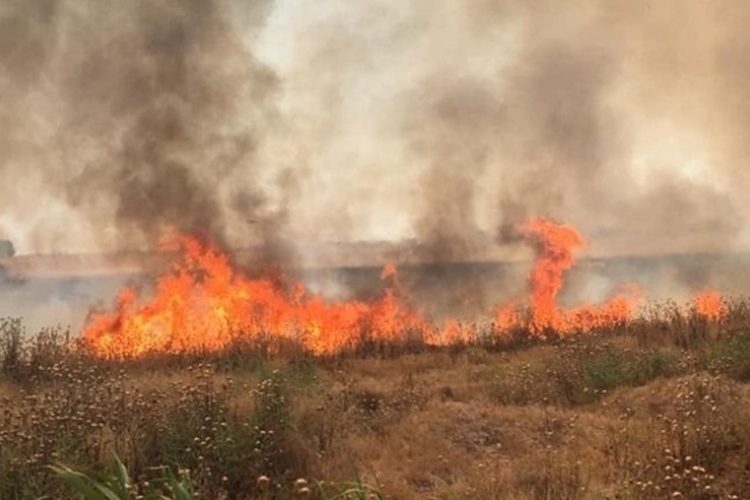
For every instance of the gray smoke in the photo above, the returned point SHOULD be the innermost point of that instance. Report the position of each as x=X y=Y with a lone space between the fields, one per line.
x=552 y=131
x=134 y=118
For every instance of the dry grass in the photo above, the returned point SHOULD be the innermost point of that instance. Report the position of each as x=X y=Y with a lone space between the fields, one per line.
x=656 y=410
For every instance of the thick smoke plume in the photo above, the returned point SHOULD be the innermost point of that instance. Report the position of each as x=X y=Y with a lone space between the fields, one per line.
x=123 y=120
x=458 y=117
x=439 y=121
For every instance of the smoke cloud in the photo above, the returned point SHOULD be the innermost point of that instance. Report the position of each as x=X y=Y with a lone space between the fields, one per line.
x=437 y=121
x=446 y=121
x=123 y=120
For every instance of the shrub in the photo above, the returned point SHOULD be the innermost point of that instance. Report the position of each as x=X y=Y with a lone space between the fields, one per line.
x=614 y=368
x=732 y=357
x=11 y=338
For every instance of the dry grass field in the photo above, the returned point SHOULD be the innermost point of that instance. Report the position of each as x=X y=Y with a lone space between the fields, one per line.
x=654 y=409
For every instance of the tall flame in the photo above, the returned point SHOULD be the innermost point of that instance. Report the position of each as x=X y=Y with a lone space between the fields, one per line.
x=556 y=245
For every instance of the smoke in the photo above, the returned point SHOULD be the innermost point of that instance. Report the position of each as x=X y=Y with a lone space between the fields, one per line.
x=561 y=135
x=444 y=121
x=129 y=119
x=437 y=121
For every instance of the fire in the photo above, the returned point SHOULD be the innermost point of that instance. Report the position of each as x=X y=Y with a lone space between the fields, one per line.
x=507 y=318
x=556 y=245
x=709 y=304
x=205 y=304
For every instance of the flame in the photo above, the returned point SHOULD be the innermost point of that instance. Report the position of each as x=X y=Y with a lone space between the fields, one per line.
x=556 y=245
x=709 y=304
x=204 y=304
x=508 y=317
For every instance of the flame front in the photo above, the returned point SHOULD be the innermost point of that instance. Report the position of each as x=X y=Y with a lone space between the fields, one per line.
x=204 y=304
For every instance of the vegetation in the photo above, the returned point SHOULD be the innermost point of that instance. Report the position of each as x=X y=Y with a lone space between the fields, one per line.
x=119 y=486
x=654 y=409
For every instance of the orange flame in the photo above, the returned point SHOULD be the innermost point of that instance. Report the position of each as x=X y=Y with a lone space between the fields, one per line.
x=709 y=304
x=203 y=303
x=507 y=318
x=556 y=245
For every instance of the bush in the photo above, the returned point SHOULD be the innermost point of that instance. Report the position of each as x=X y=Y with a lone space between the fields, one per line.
x=732 y=357
x=629 y=369
x=11 y=338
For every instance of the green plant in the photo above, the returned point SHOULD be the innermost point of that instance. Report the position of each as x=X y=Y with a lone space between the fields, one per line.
x=615 y=368
x=733 y=357
x=654 y=364
x=118 y=486
x=605 y=372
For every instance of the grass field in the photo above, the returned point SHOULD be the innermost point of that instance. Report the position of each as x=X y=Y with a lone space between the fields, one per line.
x=658 y=408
